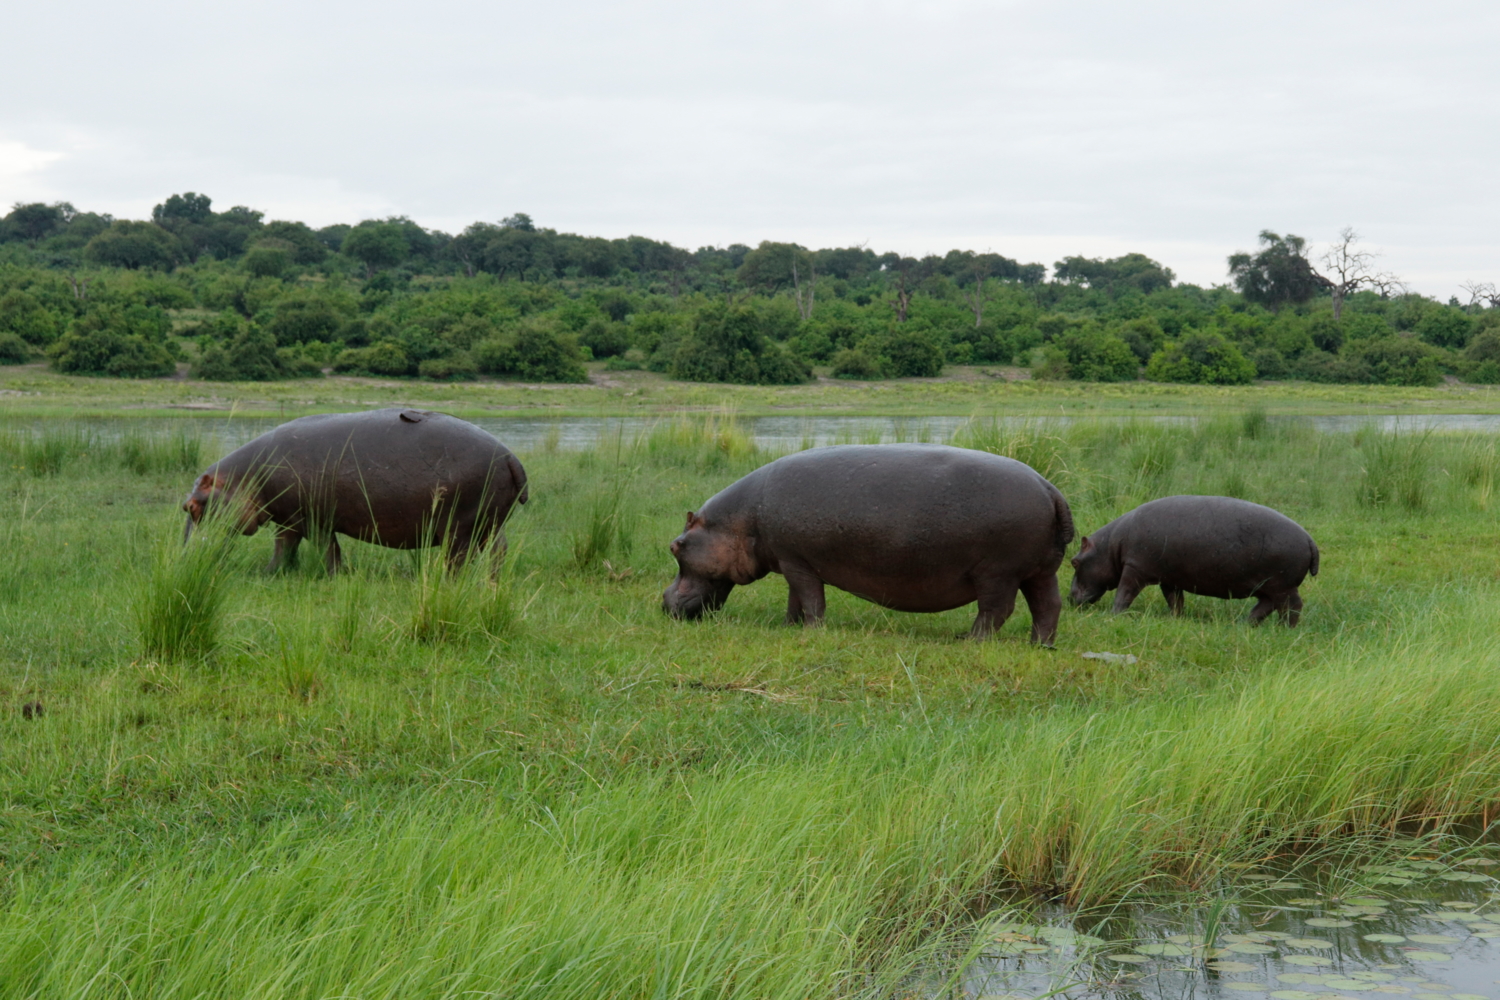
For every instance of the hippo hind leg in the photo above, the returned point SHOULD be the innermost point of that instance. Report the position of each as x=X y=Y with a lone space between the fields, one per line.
x=333 y=556
x=1175 y=602
x=997 y=599
x=1045 y=602
x=1290 y=609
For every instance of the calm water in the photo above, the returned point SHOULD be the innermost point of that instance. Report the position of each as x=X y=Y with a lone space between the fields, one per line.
x=1417 y=929
x=525 y=434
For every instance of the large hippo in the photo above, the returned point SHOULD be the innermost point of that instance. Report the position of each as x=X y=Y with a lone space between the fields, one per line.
x=398 y=478
x=1213 y=546
x=913 y=527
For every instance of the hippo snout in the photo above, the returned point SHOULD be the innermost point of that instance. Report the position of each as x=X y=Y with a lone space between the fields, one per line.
x=688 y=598
x=1079 y=594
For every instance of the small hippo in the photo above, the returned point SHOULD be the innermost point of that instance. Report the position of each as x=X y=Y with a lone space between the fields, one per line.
x=1213 y=546
x=911 y=527
x=398 y=478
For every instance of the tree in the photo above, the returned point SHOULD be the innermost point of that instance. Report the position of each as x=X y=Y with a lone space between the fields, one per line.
x=1349 y=269
x=1201 y=358
x=134 y=245
x=189 y=207
x=377 y=245
x=1117 y=274
x=35 y=221
x=1279 y=274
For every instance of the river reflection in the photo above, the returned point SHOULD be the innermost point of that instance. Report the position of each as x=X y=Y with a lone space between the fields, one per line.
x=1424 y=930
x=775 y=434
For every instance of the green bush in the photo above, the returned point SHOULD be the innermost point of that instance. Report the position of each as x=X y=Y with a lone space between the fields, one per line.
x=13 y=350
x=249 y=357
x=1051 y=364
x=1445 y=327
x=23 y=315
x=1269 y=363
x=384 y=358
x=1400 y=360
x=727 y=345
x=1320 y=366
x=535 y=350
x=1204 y=358
x=856 y=364
x=1096 y=356
x=455 y=367
x=912 y=354
x=109 y=340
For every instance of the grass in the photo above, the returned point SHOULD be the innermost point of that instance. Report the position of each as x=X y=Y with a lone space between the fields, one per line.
x=406 y=782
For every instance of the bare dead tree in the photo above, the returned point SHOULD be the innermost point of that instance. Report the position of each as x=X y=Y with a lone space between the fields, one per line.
x=1482 y=292
x=1350 y=268
x=979 y=296
x=80 y=288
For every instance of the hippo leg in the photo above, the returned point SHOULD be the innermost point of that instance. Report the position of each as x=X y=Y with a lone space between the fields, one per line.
x=805 y=597
x=1130 y=587
x=284 y=555
x=333 y=557
x=997 y=599
x=1263 y=607
x=1174 y=599
x=1290 y=608
x=1045 y=602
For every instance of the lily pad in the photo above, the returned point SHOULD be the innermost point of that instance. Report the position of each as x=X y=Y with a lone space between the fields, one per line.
x=1250 y=948
x=1461 y=905
x=1429 y=956
x=1347 y=984
x=1285 y=885
x=1486 y=926
x=1307 y=960
x=1430 y=996
x=1303 y=977
x=1305 y=901
x=1308 y=943
x=1127 y=957
x=1254 y=937
x=1480 y=863
x=1276 y=935
x=1434 y=938
x=1293 y=995
x=1232 y=966
x=1251 y=987
x=1372 y=977
x=1391 y=880
x=1391 y=988
x=1366 y=901
x=1385 y=938
x=1470 y=996
x=1328 y=922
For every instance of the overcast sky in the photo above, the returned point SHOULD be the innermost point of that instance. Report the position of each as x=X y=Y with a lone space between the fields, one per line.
x=1037 y=130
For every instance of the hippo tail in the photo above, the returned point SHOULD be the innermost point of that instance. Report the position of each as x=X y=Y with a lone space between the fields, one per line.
x=1064 y=524
x=1313 y=567
x=518 y=476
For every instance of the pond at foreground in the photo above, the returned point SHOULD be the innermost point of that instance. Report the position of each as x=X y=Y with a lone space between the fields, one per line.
x=1422 y=930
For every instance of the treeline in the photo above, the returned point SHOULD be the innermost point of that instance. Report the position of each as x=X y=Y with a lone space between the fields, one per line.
x=238 y=297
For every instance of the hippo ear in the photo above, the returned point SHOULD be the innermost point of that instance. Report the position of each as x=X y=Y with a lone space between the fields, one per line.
x=690 y=518
x=1085 y=546
x=206 y=482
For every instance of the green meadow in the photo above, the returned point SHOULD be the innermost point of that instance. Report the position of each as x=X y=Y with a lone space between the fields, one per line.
x=408 y=783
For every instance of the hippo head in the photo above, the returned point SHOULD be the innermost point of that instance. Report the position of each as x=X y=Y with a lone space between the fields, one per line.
x=209 y=496
x=1094 y=571
x=711 y=559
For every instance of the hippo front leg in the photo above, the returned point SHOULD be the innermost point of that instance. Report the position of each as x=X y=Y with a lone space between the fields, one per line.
x=333 y=556
x=1130 y=587
x=284 y=555
x=806 y=599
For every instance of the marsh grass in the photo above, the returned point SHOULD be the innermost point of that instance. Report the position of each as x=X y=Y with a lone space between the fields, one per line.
x=1396 y=470
x=371 y=796
x=179 y=610
x=178 y=450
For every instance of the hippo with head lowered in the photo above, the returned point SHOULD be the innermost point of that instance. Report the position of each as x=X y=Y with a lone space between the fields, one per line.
x=911 y=527
x=398 y=478
x=1213 y=546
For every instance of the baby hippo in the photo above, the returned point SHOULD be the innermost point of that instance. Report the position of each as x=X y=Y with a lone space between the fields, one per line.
x=1214 y=546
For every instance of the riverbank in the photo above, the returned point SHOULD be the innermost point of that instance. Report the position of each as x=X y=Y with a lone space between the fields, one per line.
x=963 y=391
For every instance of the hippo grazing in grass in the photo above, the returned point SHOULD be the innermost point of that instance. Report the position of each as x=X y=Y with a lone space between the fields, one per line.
x=1213 y=546
x=398 y=478
x=911 y=527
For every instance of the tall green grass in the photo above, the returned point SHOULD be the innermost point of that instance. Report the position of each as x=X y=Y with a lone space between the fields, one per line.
x=179 y=608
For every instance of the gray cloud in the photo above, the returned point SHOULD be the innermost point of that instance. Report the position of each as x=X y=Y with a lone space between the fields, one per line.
x=1036 y=130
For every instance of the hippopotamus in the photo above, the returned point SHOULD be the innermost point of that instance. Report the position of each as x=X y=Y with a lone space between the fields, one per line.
x=399 y=478
x=1213 y=546
x=912 y=527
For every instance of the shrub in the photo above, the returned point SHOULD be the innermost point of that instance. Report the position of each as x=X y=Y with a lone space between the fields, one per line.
x=1205 y=358
x=1320 y=366
x=13 y=350
x=853 y=363
x=455 y=367
x=728 y=345
x=24 y=316
x=249 y=357
x=535 y=350
x=99 y=350
x=1445 y=327
x=912 y=354
x=1096 y=356
x=1400 y=360
x=384 y=358
x=605 y=339
x=1269 y=363
x=134 y=245
x=1050 y=364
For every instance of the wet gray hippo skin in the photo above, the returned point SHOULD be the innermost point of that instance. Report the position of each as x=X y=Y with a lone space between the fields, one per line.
x=393 y=477
x=910 y=527
x=1213 y=546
